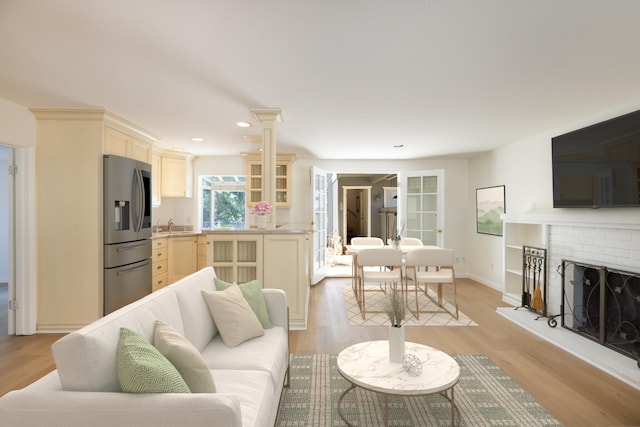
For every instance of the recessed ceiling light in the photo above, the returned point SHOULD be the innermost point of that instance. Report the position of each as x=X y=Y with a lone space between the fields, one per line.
x=177 y=149
x=197 y=139
x=243 y=124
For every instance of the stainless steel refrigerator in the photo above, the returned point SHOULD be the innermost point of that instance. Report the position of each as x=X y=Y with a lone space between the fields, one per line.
x=127 y=231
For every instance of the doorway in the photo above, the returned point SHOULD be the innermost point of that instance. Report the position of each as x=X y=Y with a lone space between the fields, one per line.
x=356 y=215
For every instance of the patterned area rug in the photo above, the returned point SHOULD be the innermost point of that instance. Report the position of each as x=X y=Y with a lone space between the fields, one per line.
x=375 y=302
x=485 y=396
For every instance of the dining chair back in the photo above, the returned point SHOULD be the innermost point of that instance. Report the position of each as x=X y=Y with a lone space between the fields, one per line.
x=410 y=241
x=431 y=266
x=381 y=266
x=367 y=241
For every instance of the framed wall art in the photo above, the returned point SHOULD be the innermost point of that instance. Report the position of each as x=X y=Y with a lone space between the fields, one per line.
x=489 y=208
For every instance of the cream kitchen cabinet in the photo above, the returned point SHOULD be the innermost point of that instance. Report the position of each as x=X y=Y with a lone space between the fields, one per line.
x=160 y=263
x=284 y=164
x=176 y=173
x=286 y=267
x=205 y=250
x=122 y=144
x=276 y=260
x=183 y=256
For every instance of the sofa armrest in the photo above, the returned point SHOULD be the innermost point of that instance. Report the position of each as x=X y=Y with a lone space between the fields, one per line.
x=59 y=408
x=276 y=300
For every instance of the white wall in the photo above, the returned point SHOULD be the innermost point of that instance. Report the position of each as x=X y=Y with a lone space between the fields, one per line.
x=17 y=125
x=524 y=167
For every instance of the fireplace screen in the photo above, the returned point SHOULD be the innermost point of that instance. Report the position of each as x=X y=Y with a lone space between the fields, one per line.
x=602 y=304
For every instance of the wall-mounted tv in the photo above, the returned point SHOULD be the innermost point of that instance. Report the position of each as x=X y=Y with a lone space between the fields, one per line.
x=598 y=166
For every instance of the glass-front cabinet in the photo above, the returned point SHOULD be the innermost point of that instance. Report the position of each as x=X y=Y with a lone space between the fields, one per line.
x=282 y=177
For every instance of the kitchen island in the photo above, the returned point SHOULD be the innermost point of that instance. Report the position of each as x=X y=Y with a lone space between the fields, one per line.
x=276 y=258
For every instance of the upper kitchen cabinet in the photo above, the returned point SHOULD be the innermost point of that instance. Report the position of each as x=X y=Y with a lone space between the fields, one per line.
x=125 y=144
x=284 y=164
x=176 y=174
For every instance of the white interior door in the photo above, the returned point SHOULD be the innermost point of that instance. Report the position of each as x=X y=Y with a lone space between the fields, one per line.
x=421 y=206
x=319 y=229
x=7 y=238
x=23 y=264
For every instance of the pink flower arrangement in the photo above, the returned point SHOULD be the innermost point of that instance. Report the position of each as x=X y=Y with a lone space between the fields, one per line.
x=261 y=208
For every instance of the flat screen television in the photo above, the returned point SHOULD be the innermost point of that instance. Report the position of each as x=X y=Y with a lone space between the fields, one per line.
x=598 y=166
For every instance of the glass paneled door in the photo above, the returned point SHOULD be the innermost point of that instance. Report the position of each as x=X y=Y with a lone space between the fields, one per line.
x=423 y=205
x=319 y=230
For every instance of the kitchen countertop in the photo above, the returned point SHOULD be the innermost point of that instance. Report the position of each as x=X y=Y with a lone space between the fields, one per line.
x=163 y=234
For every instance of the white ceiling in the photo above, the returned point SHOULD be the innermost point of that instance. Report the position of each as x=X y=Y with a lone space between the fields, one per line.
x=353 y=77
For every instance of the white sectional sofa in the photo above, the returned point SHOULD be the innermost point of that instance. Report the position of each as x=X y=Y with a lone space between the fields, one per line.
x=84 y=390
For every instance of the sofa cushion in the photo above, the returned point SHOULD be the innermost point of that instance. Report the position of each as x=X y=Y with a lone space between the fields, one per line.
x=86 y=358
x=269 y=353
x=142 y=368
x=252 y=292
x=253 y=388
x=199 y=327
x=185 y=357
x=234 y=318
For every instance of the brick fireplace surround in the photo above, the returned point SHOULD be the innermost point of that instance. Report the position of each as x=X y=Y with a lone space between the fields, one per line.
x=617 y=248
x=610 y=247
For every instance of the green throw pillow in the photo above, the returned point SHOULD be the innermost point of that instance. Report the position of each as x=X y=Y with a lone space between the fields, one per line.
x=252 y=292
x=143 y=369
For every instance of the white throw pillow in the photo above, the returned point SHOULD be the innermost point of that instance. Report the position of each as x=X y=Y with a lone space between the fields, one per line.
x=185 y=357
x=234 y=318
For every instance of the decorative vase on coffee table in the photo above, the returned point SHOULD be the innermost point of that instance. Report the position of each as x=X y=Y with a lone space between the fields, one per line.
x=396 y=344
x=261 y=221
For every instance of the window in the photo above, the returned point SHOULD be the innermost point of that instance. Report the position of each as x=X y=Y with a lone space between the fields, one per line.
x=223 y=202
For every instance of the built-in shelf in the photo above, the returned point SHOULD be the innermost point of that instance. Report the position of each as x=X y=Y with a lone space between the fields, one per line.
x=517 y=235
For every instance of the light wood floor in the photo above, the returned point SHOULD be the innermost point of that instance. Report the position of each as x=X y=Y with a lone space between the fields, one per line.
x=576 y=393
x=572 y=390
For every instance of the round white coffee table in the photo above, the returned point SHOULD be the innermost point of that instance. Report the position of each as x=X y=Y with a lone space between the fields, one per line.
x=367 y=365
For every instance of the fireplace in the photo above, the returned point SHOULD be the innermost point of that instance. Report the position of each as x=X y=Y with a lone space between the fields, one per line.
x=602 y=304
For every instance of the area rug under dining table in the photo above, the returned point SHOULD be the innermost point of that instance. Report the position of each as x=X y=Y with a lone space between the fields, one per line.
x=375 y=302
x=485 y=396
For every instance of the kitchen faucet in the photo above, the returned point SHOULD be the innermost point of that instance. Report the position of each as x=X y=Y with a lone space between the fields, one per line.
x=170 y=225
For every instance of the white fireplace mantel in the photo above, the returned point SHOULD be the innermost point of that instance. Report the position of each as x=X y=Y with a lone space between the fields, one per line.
x=602 y=218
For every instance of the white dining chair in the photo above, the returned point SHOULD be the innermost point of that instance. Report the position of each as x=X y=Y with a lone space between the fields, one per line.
x=367 y=241
x=410 y=241
x=427 y=266
x=358 y=243
x=379 y=266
